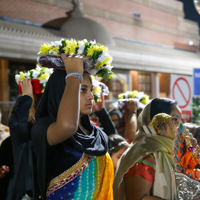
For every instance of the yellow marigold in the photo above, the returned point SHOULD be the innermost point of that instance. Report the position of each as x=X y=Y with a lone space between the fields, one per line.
x=90 y=51
x=93 y=78
x=145 y=101
x=44 y=49
x=133 y=94
x=72 y=46
x=101 y=64
x=43 y=90
x=43 y=76
x=66 y=49
x=121 y=96
x=97 y=90
x=56 y=49
x=100 y=48
x=72 y=50
x=21 y=75
x=110 y=76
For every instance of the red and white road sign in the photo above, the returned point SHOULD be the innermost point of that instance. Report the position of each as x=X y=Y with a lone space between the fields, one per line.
x=181 y=91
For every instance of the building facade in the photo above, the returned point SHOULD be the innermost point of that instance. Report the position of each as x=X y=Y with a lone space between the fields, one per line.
x=148 y=39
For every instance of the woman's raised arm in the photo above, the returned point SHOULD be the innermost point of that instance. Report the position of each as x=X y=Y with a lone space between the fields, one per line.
x=68 y=113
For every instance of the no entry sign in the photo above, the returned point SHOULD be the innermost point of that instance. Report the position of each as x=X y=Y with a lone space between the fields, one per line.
x=181 y=91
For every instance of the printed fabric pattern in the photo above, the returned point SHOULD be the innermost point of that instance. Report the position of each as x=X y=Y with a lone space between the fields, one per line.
x=90 y=179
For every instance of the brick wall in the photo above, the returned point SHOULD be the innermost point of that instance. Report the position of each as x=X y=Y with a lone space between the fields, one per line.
x=159 y=23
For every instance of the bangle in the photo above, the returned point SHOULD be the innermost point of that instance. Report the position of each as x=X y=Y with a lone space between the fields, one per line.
x=27 y=95
x=132 y=113
x=74 y=74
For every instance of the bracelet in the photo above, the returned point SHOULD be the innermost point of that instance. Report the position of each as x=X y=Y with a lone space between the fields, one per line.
x=74 y=74
x=27 y=95
x=131 y=113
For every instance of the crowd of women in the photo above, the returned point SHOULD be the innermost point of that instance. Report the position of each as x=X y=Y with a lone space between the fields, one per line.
x=59 y=152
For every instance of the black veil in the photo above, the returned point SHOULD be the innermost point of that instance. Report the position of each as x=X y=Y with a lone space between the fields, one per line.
x=94 y=144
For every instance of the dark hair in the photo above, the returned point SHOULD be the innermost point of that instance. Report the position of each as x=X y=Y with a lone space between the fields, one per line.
x=115 y=112
x=161 y=105
x=32 y=111
x=115 y=143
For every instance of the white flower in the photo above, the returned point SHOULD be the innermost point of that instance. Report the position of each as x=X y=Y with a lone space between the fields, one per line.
x=52 y=52
x=17 y=78
x=27 y=75
x=95 y=83
x=140 y=95
x=104 y=88
x=56 y=43
x=81 y=47
x=103 y=57
x=44 y=80
x=108 y=67
x=48 y=71
x=35 y=73
x=38 y=68
x=92 y=42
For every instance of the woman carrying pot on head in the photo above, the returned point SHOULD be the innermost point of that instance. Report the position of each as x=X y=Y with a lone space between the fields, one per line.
x=31 y=86
x=73 y=162
x=145 y=170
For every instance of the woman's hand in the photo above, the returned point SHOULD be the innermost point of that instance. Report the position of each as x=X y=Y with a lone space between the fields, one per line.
x=3 y=171
x=131 y=106
x=73 y=63
x=26 y=86
x=98 y=106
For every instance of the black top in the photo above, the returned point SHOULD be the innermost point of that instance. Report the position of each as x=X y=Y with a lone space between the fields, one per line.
x=23 y=180
x=94 y=144
x=106 y=122
x=6 y=158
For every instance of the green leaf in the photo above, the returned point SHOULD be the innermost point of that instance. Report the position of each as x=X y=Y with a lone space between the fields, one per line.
x=63 y=42
x=85 y=50
x=31 y=74
x=143 y=98
x=96 y=98
x=106 y=76
x=97 y=54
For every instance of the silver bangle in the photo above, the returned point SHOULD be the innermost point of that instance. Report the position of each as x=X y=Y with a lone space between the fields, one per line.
x=75 y=74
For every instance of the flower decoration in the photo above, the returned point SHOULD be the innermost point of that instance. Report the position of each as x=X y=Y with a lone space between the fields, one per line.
x=38 y=76
x=98 y=89
x=94 y=51
x=97 y=92
x=186 y=153
x=143 y=98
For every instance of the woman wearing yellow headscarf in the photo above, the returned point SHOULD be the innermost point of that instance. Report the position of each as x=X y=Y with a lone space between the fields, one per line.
x=145 y=169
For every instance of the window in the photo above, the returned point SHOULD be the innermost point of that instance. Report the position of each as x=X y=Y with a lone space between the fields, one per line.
x=144 y=82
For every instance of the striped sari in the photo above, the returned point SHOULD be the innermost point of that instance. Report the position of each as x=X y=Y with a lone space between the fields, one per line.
x=90 y=178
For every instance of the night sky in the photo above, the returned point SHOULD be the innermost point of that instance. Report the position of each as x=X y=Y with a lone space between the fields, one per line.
x=190 y=11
